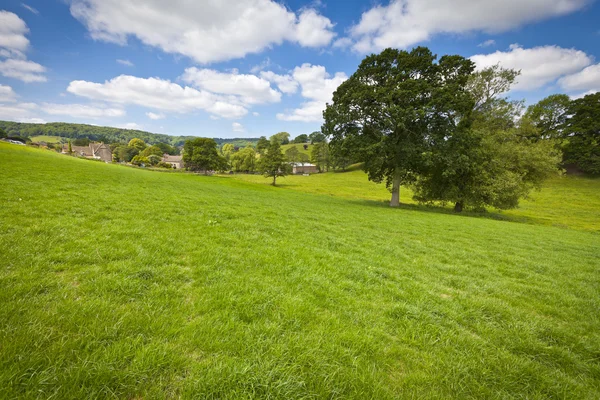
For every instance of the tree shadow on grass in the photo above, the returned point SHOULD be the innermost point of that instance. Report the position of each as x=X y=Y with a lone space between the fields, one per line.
x=438 y=209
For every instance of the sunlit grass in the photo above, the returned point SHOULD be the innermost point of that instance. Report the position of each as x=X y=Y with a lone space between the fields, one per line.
x=123 y=283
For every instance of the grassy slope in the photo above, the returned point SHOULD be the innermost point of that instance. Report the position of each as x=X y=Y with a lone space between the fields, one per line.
x=48 y=139
x=299 y=146
x=570 y=201
x=125 y=283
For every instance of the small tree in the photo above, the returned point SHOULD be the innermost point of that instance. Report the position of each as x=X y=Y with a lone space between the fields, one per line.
x=303 y=138
x=202 y=155
x=70 y=148
x=316 y=137
x=137 y=144
x=152 y=150
x=244 y=160
x=140 y=160
x=262 y=145
x=2 y=133
x=228 y=149
x=272 y=164
x=292 y=154
x=281 y=137
x=319 y=155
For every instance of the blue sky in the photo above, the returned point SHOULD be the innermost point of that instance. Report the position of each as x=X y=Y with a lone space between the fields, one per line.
x=248 y=68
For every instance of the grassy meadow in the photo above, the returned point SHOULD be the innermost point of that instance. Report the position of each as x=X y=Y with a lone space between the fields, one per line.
x=124 y=283
x=48 y=139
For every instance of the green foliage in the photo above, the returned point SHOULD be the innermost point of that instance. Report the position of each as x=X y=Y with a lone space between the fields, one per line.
x=201 y=154
x=394 y=105
x=228 y=149
x=139 y=160
x=151 y=150
x=154 y=159
x=281 y=137
x=81 y=142
x=292 y=154
x=244 y=160
x=549 y=115
x=487 y=85
x=317 y=137
x=167 y=149
x=273 y=164
x=583 y=132
x=70 y=148
x=170 y=285
x=2 y=133
x=162 y=164
x=303 y=138
x=319 y=155
x=123 y=153
x=137 y=144
x=262 y=145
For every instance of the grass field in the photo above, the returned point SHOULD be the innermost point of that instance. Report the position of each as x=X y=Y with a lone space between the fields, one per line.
x=299 y=146
x=123 y=283
x=48 y=139
x=567 y=201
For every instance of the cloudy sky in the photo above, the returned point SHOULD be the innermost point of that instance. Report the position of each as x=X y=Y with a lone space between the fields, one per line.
x=235 y=68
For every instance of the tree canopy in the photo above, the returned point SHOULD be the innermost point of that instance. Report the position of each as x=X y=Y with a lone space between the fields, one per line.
x=281 y=137
x=273 y=163
x=201 y=154
x=582 y=132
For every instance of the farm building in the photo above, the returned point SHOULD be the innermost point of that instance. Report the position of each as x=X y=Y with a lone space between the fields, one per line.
x=304 y=168
x=175 y=161
x=98 y=151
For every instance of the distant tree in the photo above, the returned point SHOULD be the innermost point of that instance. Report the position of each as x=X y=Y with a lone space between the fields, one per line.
x=81 y=142
x=303 y=138
x=292 y=154
x=262 y=145
x=305 y=147
x=319 y=155
x=228 y=149
x=154 y=159
x=201 y=155
x=152 y=150
x=317 y=137
x=2 y=133
x=123 y=153
x=281 y=137
x=393 y=105
x=167 y=149
x=164 y=165
x=140 y=160
x=273 y=164
x=70 y=148
x=244 y=160
x=549 y=115
x=137 y=144
x=582 y=131
x=303 y=158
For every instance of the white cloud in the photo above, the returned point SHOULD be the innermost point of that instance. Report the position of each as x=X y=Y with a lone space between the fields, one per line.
x=126 y=63
x=285 y=83
x=155 y=116
x=266 y=63
x=81 y=110
x=13 y=45
x=255 y=114
x=7 y=94
x=17 y=111
x=403 y=23
x=342 y=43
x=12 y=34
x=539 y=65
x=317 y=87
x=27 y=71
x=237 y=127
x=33 y=120
x=158 y=94
x=586 y=81
x=487 y=43
x=204 y=31
x=250 y=89
x=130 y=125
x=33 y=10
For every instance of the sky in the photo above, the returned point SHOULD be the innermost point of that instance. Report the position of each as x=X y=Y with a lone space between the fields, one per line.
x=234 y=68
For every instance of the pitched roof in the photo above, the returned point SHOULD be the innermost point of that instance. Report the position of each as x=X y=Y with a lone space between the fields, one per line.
x=170 y=158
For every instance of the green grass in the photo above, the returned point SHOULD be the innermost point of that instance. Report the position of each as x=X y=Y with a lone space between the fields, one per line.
x=299 y=146
x=48 y=139
x=123 y=283
x=567 y=201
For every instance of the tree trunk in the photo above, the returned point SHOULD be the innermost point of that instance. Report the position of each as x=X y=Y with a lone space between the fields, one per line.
x=458 y=207
x=274 y=177
x=395 y=202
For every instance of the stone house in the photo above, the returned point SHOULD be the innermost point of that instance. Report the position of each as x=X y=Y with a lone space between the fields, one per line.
x=304 y=168
x=99 y=151
x=175 y=161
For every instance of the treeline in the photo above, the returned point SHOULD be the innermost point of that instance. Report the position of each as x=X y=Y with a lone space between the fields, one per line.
x=103 y=133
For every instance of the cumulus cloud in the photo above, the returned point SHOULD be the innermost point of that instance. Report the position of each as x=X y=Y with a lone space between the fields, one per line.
x=81 y=110
x=249 y=89
x=158 y=94
x=586 y=81
x=27 y=71
x=155 y=116
x=17 y=111
x=539 y=65
x=285 y=83
x=204 y=31
x=317 y=87
x=7 y=94
x=126 y=63
x=487 y=43
x=13 y=45
x=403 y=23
x=131 y=125
x=237 y=127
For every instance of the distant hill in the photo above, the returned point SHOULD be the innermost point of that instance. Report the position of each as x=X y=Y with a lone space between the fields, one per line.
x=103 y=133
